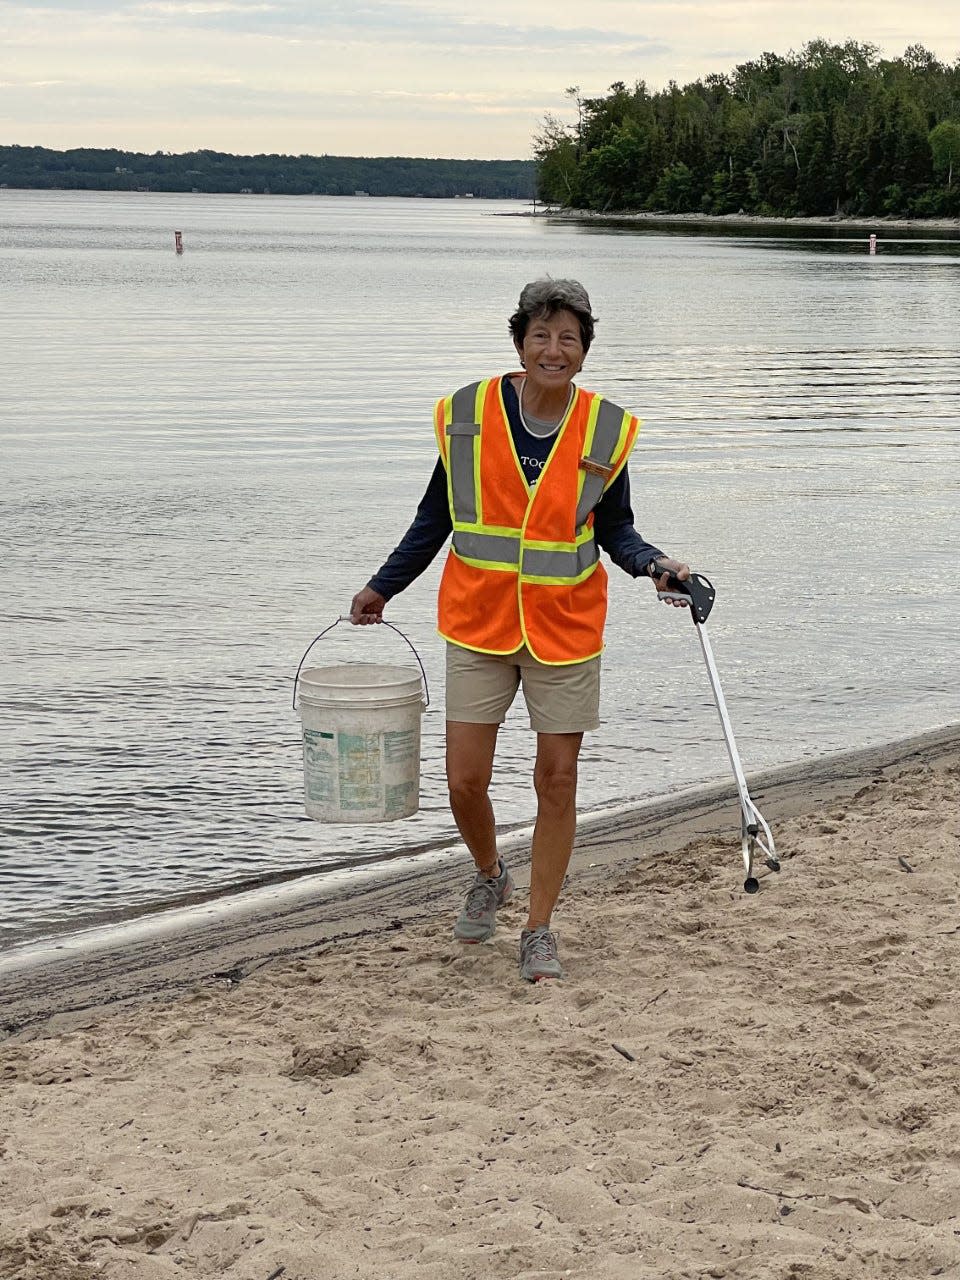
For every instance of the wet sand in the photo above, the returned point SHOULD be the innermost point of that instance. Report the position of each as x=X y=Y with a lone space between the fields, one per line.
x=723 y=1085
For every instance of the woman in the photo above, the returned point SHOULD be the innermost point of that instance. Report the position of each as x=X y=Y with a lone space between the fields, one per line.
x=532 y=482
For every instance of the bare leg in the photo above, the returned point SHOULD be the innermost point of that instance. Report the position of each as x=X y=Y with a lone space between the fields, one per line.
x=470 y=749
x=555 y=780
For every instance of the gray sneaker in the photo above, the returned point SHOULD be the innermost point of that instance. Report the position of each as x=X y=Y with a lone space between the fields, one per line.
x=538 y=955
x=478 y=919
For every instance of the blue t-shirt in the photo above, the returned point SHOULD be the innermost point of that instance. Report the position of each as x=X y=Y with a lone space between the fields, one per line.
x=612 y=518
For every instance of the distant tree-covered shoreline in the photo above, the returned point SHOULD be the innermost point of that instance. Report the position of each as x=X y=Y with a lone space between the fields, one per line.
x=833 y=129
x=95 y=169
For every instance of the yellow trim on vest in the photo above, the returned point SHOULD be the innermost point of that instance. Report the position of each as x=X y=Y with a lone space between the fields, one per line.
x=588 y=440
x=449 y=470
x=627 y=445
x=480 y=399
x=567 y=662
x=442 y=413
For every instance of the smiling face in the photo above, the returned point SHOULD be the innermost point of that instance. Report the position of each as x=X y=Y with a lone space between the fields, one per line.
x=552 y=351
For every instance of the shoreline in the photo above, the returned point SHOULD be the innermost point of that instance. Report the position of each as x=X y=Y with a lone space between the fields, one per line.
x=155 y=917
x=835 y=221
x=50 y=985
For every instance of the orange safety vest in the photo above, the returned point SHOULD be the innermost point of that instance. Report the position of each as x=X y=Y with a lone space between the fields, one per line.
x=524 y=567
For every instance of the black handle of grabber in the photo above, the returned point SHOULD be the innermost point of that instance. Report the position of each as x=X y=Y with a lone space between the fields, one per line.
x=345 y=617
x=697 y=591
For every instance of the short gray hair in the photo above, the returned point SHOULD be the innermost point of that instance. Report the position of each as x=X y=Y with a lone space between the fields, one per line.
x=545 y=298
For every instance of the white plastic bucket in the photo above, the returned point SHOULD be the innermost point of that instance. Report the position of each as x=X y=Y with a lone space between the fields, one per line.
x=361 y=742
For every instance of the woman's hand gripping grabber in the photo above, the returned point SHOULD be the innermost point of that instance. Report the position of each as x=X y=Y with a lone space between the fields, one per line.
x=698 y=592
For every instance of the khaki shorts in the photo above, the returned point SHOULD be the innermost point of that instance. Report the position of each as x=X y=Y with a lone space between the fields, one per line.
x=482 y=686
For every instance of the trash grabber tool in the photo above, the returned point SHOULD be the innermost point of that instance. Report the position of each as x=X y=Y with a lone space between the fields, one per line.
x=699 y=594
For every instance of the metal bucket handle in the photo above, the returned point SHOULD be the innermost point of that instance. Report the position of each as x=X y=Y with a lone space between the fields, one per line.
x=345 y=617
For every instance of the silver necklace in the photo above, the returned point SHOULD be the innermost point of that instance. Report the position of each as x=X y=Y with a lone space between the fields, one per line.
x=543 y=435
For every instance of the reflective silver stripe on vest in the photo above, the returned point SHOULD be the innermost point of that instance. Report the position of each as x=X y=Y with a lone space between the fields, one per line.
x=491 y=547
x=463 y=434
x=605 y=437
x=559 y=564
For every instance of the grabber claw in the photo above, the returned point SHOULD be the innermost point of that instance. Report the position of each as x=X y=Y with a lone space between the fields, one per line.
x=756 y=839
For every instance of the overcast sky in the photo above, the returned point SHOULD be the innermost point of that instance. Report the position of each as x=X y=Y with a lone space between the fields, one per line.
x=384 y=77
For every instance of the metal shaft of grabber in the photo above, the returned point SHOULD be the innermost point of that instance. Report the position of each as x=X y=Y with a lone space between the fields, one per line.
x=748 y=810
x=697 y=592
x=745 y=802
x=755 y=834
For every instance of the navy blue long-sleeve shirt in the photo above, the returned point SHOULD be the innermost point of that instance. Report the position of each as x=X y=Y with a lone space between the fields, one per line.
x=613 y=525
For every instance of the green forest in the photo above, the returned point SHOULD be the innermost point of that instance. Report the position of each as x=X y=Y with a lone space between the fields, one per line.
x=831 y=130
x=92 y=169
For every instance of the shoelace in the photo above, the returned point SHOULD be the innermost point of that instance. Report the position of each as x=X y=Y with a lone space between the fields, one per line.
x=541 y=946
x=478 y=899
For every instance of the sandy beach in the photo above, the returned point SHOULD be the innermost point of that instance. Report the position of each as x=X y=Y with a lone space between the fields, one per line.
x=723 y=1085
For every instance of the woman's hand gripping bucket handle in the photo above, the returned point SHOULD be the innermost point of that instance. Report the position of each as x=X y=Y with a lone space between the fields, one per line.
x=345 y=617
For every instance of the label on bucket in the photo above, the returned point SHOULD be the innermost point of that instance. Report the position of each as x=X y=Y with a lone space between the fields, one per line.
x=399 y=745
x=360 y=770
x=353 y=775
x=318 y=763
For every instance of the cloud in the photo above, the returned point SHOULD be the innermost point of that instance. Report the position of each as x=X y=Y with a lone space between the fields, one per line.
x=382 y=21
x=409 y=25
x=374 y=76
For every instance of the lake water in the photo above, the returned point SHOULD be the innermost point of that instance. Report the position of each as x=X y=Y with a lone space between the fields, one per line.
x=205 y=456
